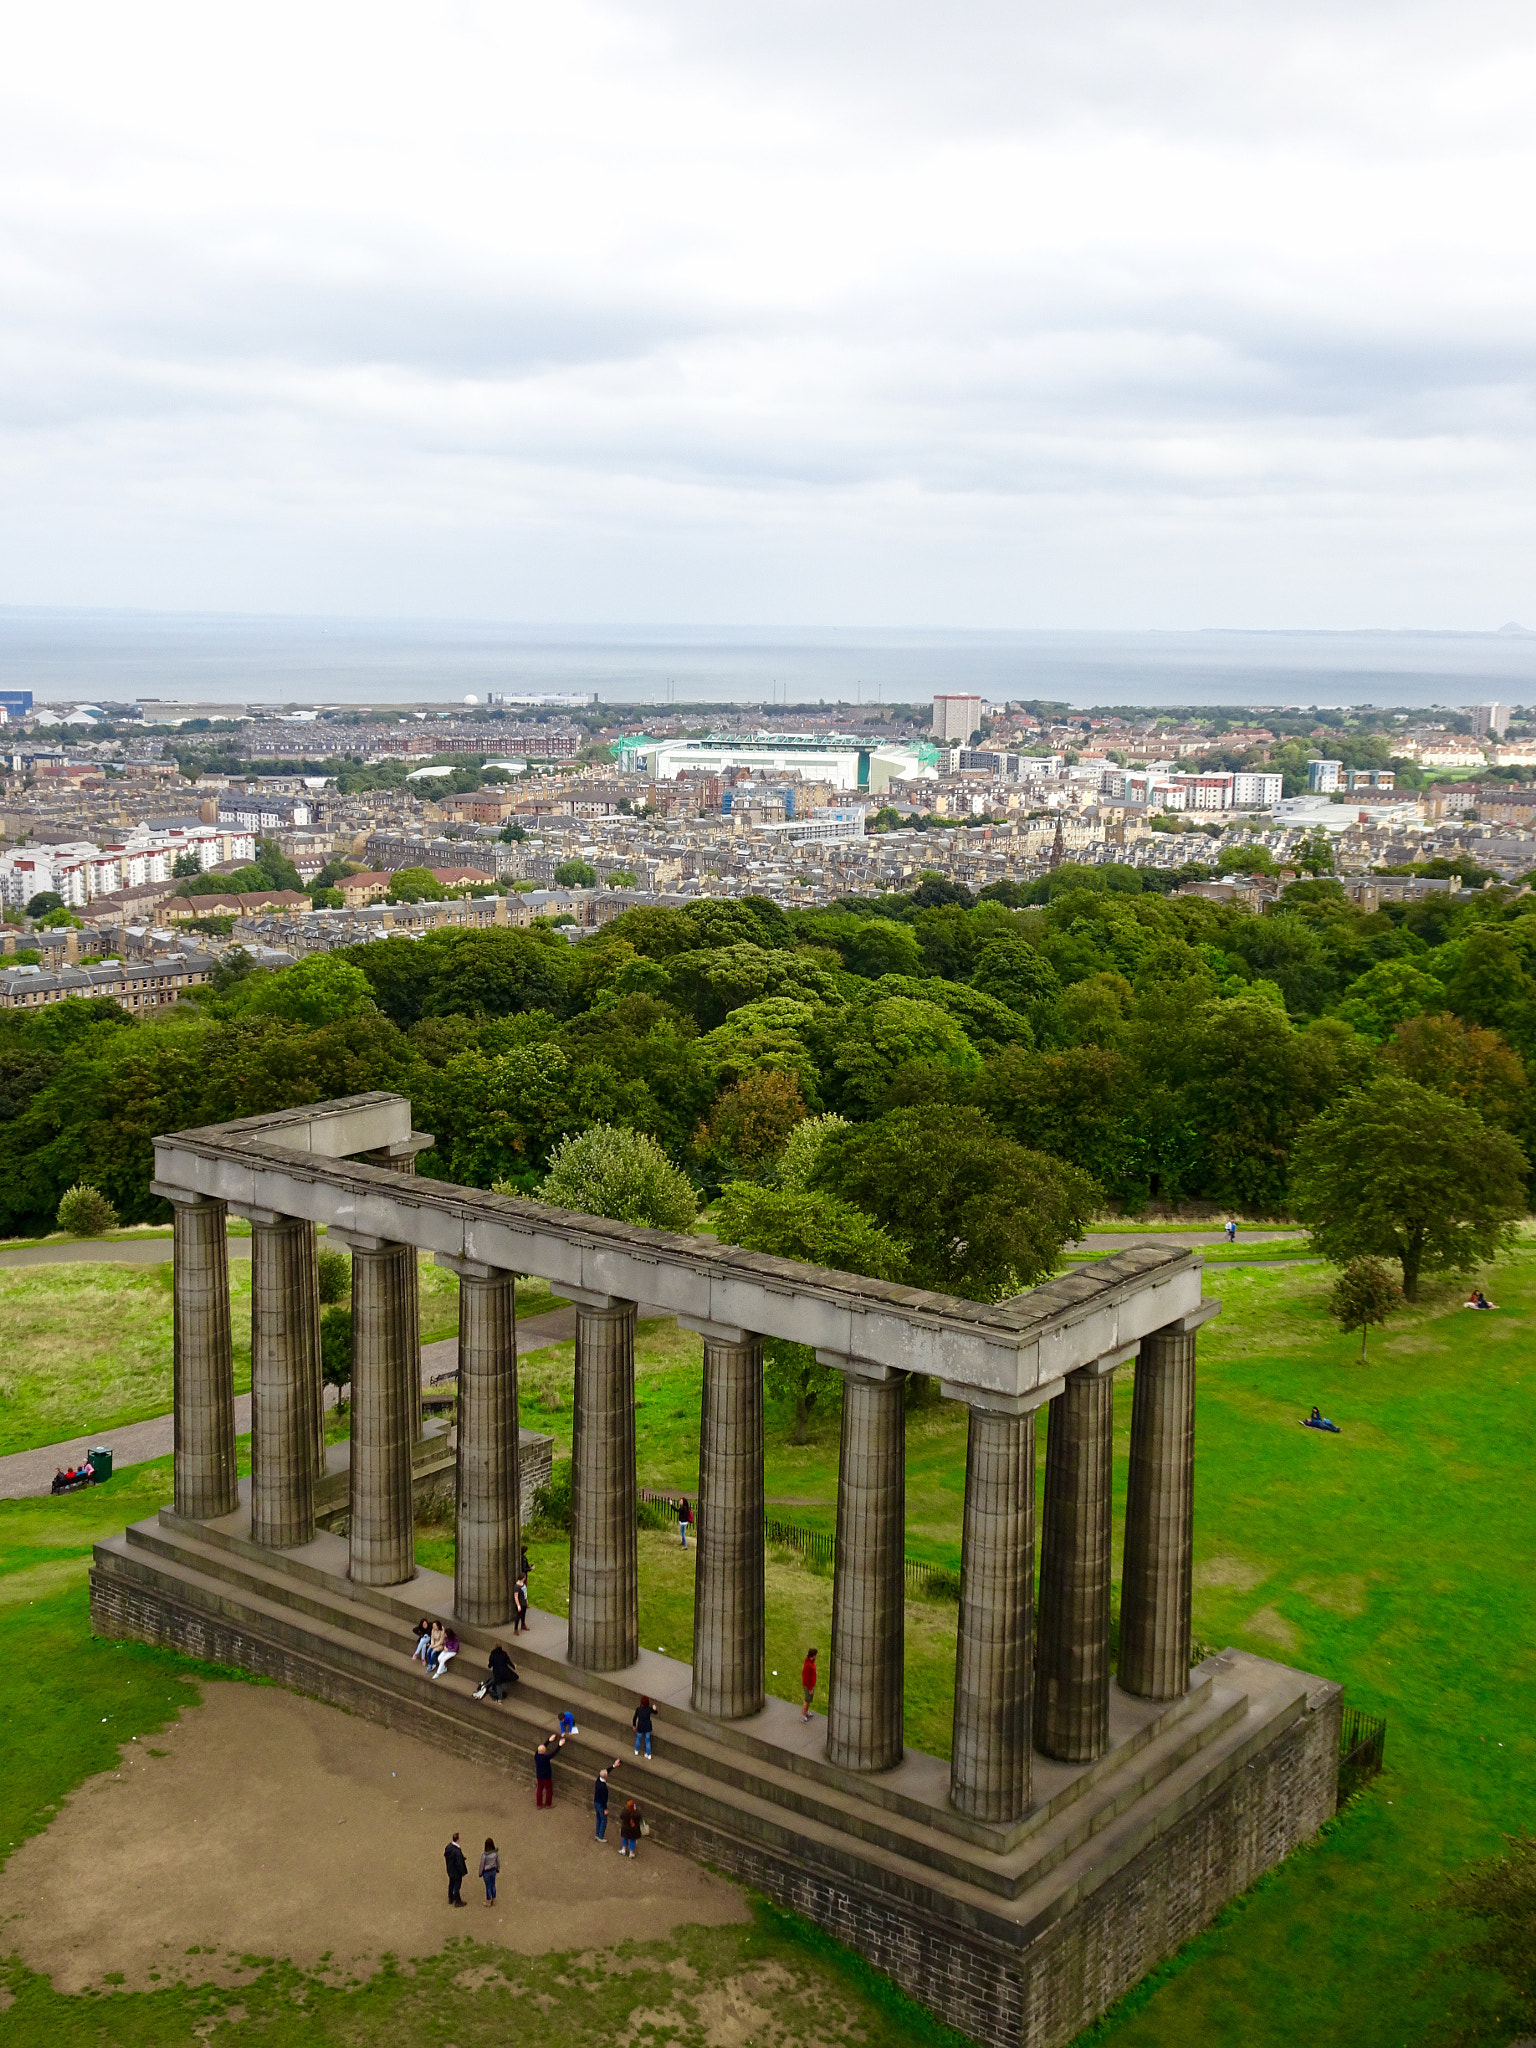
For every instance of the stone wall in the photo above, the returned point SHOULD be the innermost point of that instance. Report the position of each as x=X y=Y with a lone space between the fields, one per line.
x=1035 y=1990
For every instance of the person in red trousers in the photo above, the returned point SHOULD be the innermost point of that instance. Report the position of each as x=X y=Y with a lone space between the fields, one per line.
x=544 y=1768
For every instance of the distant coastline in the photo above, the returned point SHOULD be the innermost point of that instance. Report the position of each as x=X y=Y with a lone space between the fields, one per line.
x=233 y=660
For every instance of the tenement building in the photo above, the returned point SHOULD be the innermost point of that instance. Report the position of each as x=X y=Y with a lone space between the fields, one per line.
x=1095 y=1811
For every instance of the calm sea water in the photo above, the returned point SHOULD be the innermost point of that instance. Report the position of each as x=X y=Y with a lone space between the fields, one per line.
x=235 y=661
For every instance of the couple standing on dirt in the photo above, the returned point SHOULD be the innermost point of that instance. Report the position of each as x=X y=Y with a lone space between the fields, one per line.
x=458 y=1870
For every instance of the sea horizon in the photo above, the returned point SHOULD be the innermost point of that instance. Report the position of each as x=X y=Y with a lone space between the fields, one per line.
x=235 y=660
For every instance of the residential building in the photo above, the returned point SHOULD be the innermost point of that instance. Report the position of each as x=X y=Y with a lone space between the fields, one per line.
x=955 y=718
x=1488 y=720
x=1323 y=776
x=1256 y=791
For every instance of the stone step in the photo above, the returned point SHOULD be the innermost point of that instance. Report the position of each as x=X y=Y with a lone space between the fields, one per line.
x=181 y=1605
x=375 y=1622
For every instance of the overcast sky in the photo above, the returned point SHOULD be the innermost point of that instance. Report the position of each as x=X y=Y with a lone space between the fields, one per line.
x=868 y=314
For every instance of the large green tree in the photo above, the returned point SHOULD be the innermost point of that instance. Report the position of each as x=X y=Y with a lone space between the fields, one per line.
x=1401 y=1172
x=983 y=1216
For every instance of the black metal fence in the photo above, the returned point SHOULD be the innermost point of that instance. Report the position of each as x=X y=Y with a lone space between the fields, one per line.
x=819 y=1547
x=1362 y=1746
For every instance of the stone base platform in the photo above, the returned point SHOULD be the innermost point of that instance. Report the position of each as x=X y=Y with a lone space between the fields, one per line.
x=1018 y=1936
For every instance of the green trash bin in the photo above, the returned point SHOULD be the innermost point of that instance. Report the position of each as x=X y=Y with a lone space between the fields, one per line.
x=101 y=1460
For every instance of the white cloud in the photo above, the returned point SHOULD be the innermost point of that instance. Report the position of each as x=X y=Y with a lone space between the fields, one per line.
x=1176 y=314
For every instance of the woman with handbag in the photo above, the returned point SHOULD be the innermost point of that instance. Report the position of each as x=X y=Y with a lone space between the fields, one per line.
x=630 y=1825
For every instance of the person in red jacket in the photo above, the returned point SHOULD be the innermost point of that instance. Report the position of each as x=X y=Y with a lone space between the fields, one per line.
x=808 y=1683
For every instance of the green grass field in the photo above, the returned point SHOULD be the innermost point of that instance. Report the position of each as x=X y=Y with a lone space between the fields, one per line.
x=1393 y=1557
x=87 y=1345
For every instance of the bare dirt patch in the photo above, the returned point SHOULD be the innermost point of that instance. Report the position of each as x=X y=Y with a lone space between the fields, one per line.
x=266 y=1825
x=1230 y=1571
x=1271 y=1626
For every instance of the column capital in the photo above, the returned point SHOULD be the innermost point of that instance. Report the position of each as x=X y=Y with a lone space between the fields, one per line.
x=1185 y=1326
x=860 y=1368
x=363 y=1241
x=471 y=1269
x=401 y=1148
x=595 y=1304
x=1101 y=1368
x=986 y=1402
x=716 y=1333
x=268 y=1218
x=184 y=1197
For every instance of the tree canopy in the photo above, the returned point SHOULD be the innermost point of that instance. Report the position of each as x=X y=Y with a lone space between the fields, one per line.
x=1398 y=1171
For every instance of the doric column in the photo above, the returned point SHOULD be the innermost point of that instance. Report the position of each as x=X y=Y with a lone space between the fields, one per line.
x=605 y=1581
x=728 y=1602
x=400 y=1157
x=486 y=1549
x=203 y=1383
x=386 y=1399
x=283 y=1367
x=1072 y=1632
x=864 y=1708
x=1159 y=1515
x=989 y=1773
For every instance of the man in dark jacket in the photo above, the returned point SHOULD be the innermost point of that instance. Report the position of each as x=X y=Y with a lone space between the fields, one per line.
x=454 y=1857
x=600 y=1798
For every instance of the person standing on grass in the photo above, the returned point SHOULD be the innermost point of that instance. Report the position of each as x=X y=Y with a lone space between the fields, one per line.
x=490 y=1863
x=600 y=1798
x=544 y=1768
x=684 y=1517
x=458 y=1870
x=640 y=1721
x=808 y=1683
x=629 y=1829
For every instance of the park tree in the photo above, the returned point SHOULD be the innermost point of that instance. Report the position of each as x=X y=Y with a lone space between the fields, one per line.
x=335 y=1274
x=44 y=901
x=1364 y=1293
x=1466 y=1061
x=803 y=1146
x=1015 y=973
x=822 y=1231
x=416 y=885
x=983 y=1216
x=1398 y=1171
x=607 y=1171
x=749 y=1126
x=323 y=989
x=84 y=1211
x=336 y=1348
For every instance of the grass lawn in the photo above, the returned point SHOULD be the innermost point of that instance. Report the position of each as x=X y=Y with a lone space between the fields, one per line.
x=86 y=1347
x=1393 y=1557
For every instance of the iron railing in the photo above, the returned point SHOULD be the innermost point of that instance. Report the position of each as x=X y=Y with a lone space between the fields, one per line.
x=1362 y=1746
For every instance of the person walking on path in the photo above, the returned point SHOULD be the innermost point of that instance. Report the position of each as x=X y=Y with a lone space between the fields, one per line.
x=684 y=1517
x=600 y=1798
x=629 y=1829
x=544 y=1768
x=458 y=1870
x=1230 y=1227
x=640 y=1721
x=808 y=1683
x=490 y=1863
x=520 y=1606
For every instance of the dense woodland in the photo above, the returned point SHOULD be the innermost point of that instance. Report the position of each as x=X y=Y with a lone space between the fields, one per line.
x=1169 y=1048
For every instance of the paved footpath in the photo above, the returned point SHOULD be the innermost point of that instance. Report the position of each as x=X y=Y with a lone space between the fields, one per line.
x=127 y=1251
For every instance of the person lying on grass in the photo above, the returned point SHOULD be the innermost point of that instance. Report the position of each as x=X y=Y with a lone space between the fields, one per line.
x=1318 y=1420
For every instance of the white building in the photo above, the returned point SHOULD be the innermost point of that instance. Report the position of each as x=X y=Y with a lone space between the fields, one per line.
x=1256 y=791
x=1491 y=719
